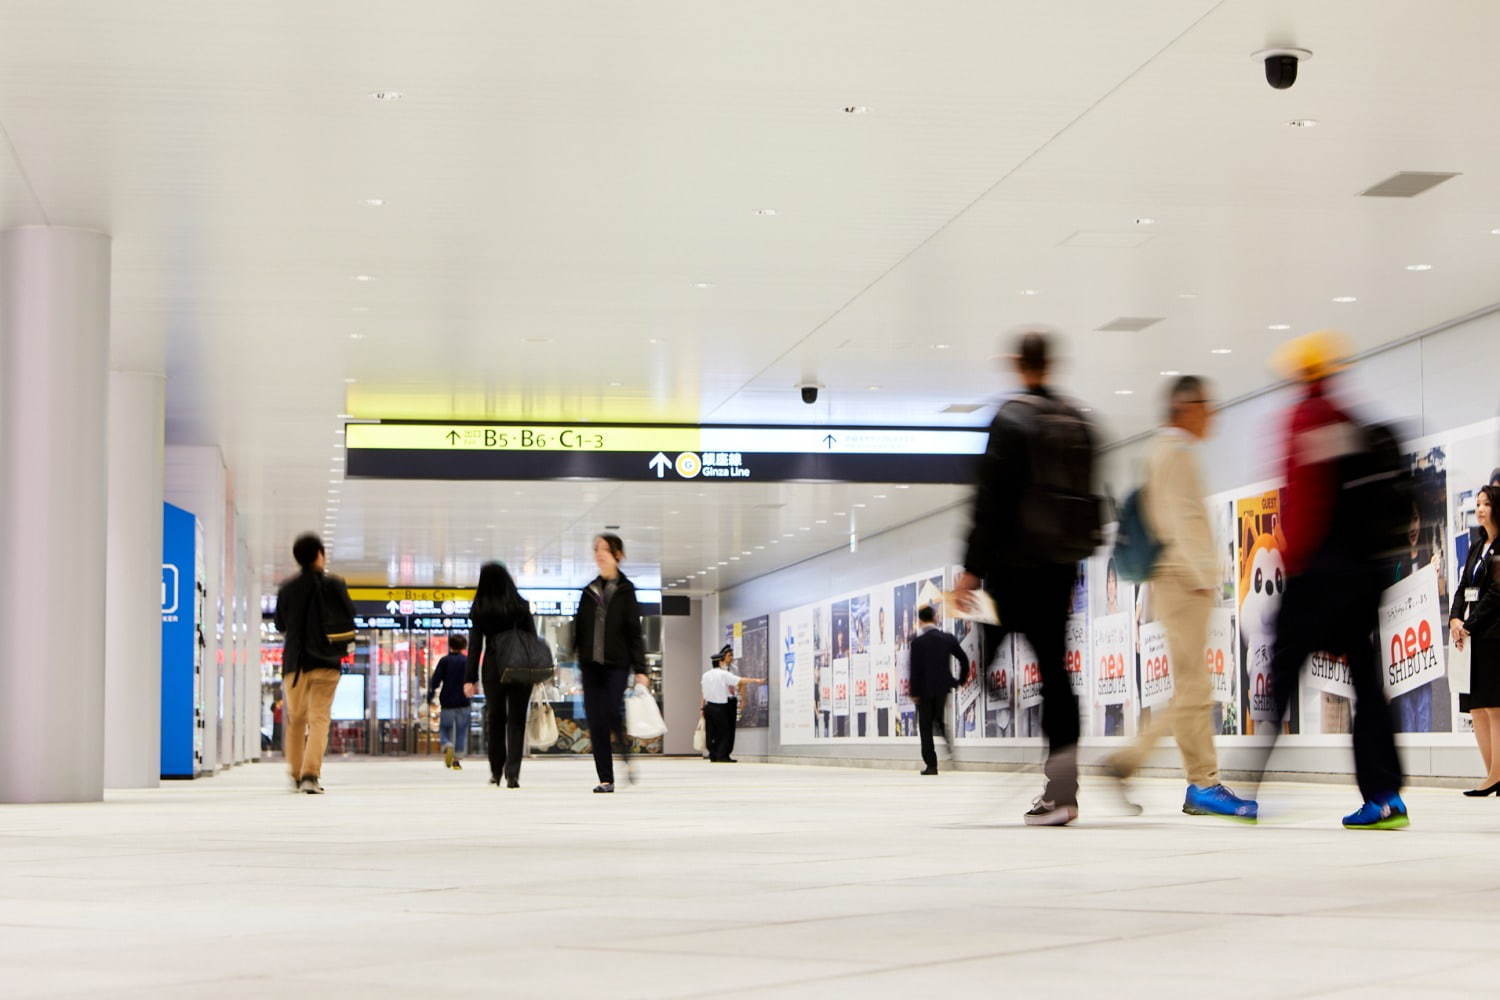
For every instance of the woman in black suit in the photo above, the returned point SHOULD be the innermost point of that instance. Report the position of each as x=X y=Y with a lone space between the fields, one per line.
x=1476 y=623
x=498 y=608
x=608 y=641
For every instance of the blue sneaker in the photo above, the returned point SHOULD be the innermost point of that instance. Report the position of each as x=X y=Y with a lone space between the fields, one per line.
x=1219 y=801
x=1388 y=815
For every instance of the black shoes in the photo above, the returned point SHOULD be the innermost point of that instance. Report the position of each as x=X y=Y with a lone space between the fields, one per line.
x=1479 y=793
x=929 y=770
x=605 y=788
x=512 y=783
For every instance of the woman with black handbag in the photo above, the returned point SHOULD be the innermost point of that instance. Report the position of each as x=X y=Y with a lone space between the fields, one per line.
x=500 y=615
x=609 y=644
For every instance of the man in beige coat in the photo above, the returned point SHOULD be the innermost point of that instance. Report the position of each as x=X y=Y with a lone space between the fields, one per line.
x=1182 y=596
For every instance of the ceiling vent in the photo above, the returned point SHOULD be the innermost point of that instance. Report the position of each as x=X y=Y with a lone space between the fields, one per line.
x=1109 y=241
x=1129 y=324
x=1407 y=184
x=962 y=408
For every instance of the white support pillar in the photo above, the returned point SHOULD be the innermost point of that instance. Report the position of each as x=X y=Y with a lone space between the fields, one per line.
x=132 y=649
x=54 y=362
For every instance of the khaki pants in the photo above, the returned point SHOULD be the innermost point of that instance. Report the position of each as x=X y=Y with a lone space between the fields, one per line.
x=309 y=697
x=1190 y=713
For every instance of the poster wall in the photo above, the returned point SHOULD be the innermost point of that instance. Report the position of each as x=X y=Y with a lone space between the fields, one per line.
x=843 y=661
x=751 y=641
x=847 y=657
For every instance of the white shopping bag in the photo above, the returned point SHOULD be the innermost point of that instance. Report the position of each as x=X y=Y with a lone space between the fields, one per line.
x=642 y=718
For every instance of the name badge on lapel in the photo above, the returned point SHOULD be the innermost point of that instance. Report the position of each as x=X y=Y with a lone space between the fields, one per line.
x=1471 y=594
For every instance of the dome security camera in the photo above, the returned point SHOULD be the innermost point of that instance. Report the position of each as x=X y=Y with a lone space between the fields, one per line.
x=809 y=392
x=1281 y=65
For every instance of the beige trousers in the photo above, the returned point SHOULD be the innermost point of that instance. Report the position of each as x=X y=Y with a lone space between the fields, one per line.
x=1189 y=715
x=308 y=703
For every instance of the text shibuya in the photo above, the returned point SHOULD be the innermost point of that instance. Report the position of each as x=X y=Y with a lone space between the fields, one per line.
x=1411 y=654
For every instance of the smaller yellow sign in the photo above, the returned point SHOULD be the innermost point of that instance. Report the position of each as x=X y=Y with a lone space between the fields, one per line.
x=385 y=594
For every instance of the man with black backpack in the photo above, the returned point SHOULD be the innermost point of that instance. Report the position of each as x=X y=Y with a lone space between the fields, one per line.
x=1035 y=516
x=1347 y=498
x=316 y=616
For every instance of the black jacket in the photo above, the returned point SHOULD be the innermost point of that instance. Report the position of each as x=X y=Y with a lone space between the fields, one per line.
x=310 y=606
x=1480 y=617
x=624 y=644
x=449 y=675
x=1002 y=477
x=931 y=677
x=490 y=625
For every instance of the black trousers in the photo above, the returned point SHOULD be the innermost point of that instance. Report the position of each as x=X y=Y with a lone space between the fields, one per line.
x=604 y=704
x=505 y=728
x=1033 y=601
x=932 y=714
x=716 y=723
x=731 y=723
x=1335 y=610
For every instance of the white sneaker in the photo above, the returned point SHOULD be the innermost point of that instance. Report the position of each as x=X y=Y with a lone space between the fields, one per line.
x=1044 y=813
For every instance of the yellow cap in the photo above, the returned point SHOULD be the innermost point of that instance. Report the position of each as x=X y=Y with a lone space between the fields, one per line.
x=1312 y=356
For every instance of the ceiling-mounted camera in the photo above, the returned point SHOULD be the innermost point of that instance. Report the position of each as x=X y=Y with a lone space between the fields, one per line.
x=809 y=392
x=1281 y=65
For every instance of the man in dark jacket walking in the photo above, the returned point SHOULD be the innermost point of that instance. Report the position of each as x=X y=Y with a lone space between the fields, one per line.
x=453 y=730
x=931 y=681
x=1027 y=537
x=316 y=616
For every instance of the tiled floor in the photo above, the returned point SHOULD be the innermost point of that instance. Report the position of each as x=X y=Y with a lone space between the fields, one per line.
x=720 y=880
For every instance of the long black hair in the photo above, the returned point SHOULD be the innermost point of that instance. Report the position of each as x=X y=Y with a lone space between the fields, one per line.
x=496 y=594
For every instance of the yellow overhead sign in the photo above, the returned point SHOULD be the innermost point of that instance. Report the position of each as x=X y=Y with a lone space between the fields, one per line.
x=520 y=437
x=384 y=594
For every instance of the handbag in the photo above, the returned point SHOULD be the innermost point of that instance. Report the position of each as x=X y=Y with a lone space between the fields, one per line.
x=642 y=718
x=700 y=738
x=541 y=727
x=522 y=656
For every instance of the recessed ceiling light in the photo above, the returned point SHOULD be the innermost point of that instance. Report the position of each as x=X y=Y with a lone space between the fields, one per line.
x=1124 y=392
x=356 y=336
x=1279 y=326
x=838 y=513
x=941 y=347
x=880 y=496
x=538 y=340
x=703 y=284
x=364 y=277
x=733 y=559
x=350 y=381
x=1145 y=220
x=654 y=340
x=1168 y=372
x=1345 y=298
x=1419 y=267
x=1221 y=350
x=344 y=416
x=822 y=521
x=775 y=541
x=1495 y=232
x=374 y=202
x=723 y=563
x=872 y=388
x=746 y=552
x=1187 y=295
x=1029 y=291
x=360 y=309
x=861 y=506
x=616 y=385
x=788 y=534
x=857 y=109
x=805 y=528
x=766 y=211
x=1303 y=123
x=673 y=513
x=903 y=486
x=387 y=95
x=760 y=548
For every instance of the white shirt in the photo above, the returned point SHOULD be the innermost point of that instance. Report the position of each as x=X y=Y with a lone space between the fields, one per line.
x=719 y=685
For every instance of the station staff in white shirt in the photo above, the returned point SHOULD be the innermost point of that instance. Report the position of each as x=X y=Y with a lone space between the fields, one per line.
x=720 y=705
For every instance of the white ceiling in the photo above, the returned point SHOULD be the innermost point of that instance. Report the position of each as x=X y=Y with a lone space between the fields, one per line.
x=560 y=177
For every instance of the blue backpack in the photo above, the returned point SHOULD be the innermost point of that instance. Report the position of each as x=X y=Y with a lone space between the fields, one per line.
x=1136 y=548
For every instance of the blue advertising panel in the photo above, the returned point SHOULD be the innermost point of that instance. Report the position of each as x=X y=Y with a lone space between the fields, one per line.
x=179 y=643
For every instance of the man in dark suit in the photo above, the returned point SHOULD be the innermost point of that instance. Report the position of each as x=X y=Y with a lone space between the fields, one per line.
x=932 y=679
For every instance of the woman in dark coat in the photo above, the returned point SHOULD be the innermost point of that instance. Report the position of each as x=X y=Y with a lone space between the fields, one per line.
x=498 y=608
x=608 y=640
x=1476 y=624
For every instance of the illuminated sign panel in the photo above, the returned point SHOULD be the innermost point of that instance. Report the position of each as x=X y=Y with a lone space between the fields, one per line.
x=667 y=453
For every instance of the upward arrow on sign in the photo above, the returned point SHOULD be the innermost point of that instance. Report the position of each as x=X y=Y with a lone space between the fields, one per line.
x=392 y=607
x=660 y=463
x=829 y=440
x=452 y=437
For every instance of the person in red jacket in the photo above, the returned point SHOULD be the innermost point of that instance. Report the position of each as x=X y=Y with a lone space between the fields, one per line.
x=1333 y=588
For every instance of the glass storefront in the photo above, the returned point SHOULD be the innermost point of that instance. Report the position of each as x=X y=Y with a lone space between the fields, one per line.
x=381 y=705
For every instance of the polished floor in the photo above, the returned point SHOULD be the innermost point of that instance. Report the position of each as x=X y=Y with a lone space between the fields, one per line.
x=706 y=880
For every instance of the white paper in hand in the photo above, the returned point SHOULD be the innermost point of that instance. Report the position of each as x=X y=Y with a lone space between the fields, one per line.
x=972 y=605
